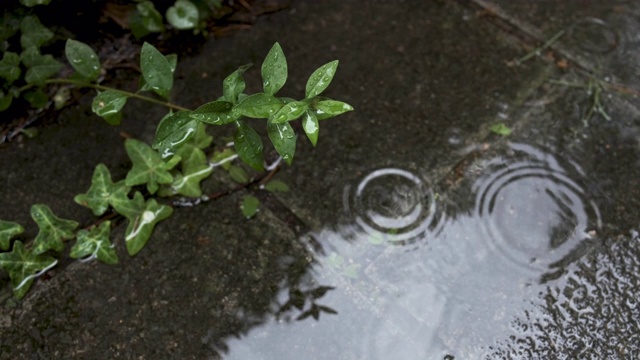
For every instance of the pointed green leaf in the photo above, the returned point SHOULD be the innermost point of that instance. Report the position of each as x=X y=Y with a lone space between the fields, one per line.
x=95 y=242
x=102 y=191
x=151 y=18
x=238 y=174
x=195 y=168
x=223 y=158
x=311 y=126
x=41 y=67
x=108 y=104
x=174 y=130
x=173 y=63
x=156 y=70
x=141 y=226
x=23 y=266
x=8 y=230
x=283 y=138
x=215 y=113
x=183 y=15
x=329 y=108
x=83 y=59
x=10 y=67
x=233 y=85
x=290 y=111
x=248 y=145
x=33 y=32
x=259 y=106
x=276 y=186
x=148 y=167
x=320 y=79
x=53 y=230
x=274 y=70
x=249 y=206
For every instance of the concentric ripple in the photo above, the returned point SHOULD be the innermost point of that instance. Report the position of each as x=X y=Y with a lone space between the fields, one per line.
x=392 y=204
x=532 y=207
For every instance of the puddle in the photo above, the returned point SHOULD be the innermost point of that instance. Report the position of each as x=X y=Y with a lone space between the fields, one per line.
x=415 y=279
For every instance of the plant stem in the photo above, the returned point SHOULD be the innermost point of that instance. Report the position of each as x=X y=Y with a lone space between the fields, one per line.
x=81 y=83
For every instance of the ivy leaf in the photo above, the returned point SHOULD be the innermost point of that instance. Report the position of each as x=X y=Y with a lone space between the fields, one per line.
x=148 y=168
x=194 y=169
x=8 y=230
x=108 y=104
x=33 y=32
x=41 y=67
x=500 y=129
x=23 y=267
x=102 y=191
x=223 y=158
x=325 y=109
x=130 y=208
x=215 y=113
x=142 y=224
x=233 y=85
x=249 y=206
x=283 y=138
x=37 y=98
x=174 y=130
x=276 y=186
x=248 y=145
x=156 y=70
x=238 y=174
x=320 y=79
x=274 y=70
x=259 y=106
x=183 y=15
x=311 y=126
x=290 y=111
x=151 y=18
x=83 y=59
x=95 y=242
x=10 y=67
x=53 y=230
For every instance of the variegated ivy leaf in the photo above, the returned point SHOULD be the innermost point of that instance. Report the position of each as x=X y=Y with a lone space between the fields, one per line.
x=53 y=230
x=95 y=242
x=40 y=67
x=195 y=168
x=10 y=67
x=33 y=32
x=8 y=230
x=148 y=167
x=223 y=158
x=102 y=191
x=23 y=266
x=142 y=224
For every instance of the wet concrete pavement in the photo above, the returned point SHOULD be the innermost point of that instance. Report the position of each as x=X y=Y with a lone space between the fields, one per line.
x=439 y=238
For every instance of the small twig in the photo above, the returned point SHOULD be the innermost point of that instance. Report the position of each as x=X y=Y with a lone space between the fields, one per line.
x=538 y=51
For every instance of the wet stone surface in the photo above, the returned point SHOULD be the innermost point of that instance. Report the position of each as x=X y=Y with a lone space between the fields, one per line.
x=431 y=236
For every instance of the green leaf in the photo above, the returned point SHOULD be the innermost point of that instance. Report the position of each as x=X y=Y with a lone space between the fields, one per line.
x=325 y=109
x=148 y=167
x=37 y=98
x=274 y=70
x=500 y=129
x=156 y=70
x=8 y=230
x=311 y=126
x=290 y=111
x=215 y=113
x=108 y=104
x=102 y=192
x=5 y=100
x=95 y=242
x=248 y=145
x=223 y=158
x=259 y=106
x=141 y=225
x=31 y=3
x=151 y=18
x=276 y=186
x=23 y=267
x=173 y=63
x=238 y=174
x=249 y=206
x=320 y=79
x=83 y=59
x=41 y=67
x=233 y=85
x=10 y=67
x=195 y=168
x=33 y=32
x=173 y=131
x=183 y=15
x=53 y=230
x=130 y=208
x=283 y=138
